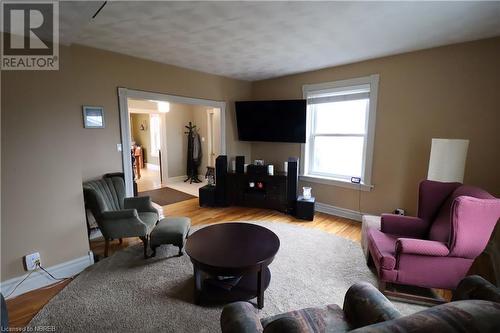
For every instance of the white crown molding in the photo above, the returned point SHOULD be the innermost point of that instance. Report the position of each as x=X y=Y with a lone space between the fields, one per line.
x=39 y=278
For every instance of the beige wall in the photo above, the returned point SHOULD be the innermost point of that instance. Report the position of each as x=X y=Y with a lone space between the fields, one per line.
x=447 y=92
x=47 y=152
x=175 y=120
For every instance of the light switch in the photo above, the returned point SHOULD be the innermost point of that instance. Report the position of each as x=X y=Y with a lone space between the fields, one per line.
x=119 y=146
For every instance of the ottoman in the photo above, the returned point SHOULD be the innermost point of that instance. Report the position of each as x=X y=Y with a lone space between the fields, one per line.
x=368 y=221
x=170 y=230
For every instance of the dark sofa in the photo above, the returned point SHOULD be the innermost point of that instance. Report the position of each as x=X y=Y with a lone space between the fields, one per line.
x=475 y=307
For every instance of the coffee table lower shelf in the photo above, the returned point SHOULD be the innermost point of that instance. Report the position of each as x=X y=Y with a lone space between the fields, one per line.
x=246 y=289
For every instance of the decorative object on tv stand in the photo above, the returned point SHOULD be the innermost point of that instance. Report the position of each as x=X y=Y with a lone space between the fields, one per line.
x=258 y=162
x=254 y=169
x=93 y=116
x=447 y=160
x=285 y=167
x=306 y=192
x=270 y=169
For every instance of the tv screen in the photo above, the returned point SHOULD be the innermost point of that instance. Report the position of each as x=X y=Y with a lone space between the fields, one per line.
x=272 y=121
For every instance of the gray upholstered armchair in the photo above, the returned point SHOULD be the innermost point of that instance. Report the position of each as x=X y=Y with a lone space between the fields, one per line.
x=119 y=217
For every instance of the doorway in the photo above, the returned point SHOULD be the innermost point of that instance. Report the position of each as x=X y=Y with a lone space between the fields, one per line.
x=155 y=123
x=145 y=142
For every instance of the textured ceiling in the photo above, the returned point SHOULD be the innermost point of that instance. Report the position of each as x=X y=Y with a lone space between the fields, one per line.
x=258 y=40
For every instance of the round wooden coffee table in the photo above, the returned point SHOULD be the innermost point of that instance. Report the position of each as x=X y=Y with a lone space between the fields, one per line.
x=231 y=261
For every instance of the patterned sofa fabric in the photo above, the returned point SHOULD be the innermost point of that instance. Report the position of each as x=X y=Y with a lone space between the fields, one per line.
x=462 y=316
x=329 y=318
x=363 y=305
x=367 y=310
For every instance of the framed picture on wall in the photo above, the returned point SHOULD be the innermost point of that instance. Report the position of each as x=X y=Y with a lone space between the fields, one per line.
x=93 y=116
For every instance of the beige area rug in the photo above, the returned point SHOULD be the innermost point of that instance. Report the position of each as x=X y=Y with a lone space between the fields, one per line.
x=126 y=293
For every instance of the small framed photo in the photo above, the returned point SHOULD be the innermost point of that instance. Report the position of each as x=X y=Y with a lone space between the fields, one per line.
x=93 y=116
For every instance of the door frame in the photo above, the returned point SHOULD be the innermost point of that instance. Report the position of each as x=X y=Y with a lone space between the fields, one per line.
x=125 y=93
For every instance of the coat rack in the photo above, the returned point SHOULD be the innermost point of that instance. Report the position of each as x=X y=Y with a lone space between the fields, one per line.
x=194 y=154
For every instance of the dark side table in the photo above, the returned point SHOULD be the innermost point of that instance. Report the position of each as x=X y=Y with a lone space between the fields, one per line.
x=305 y=208
x=207 y=196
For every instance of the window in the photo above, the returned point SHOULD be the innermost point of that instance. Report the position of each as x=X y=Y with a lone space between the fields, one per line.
x=154 y=125
x=340 y=131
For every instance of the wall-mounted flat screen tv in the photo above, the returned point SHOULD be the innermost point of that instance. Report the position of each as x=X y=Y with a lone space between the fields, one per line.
x=272 y=121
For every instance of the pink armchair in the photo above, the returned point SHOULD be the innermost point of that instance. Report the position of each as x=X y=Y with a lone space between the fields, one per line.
x=437 y=248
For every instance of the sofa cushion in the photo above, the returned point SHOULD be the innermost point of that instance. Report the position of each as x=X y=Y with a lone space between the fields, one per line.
x=383 y=248
x=284 y=325
x=441 y=227
x=329 y=318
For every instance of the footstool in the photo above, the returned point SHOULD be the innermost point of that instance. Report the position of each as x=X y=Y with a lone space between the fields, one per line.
x=170 y=230
x=368 y=221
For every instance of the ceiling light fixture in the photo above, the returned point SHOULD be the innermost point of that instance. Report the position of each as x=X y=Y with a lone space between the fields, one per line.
x=163 y=107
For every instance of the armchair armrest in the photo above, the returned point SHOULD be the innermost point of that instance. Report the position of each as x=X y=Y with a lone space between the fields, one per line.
x=142 y=204
x=421 y=247
x=122 y=223
x=475 y=287
x=119 y=214
x=408 y=226
x=240 y=317
x=365 y=305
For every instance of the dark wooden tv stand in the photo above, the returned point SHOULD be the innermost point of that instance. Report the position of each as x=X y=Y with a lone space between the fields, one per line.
x=273 y=195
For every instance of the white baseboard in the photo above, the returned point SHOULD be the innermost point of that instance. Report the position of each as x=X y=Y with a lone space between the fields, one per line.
x=337 y=211
x=39 y=278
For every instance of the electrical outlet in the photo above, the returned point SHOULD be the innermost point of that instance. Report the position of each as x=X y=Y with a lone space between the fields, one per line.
x=32 y=260
x=355 y=180
x=399 y=211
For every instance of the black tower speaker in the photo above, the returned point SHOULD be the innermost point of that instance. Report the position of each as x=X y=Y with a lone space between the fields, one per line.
x=220 y=180
x=292 y=182
x=240 y=164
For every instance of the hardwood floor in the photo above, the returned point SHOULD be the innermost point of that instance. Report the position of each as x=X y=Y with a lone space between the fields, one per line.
x=24 y=307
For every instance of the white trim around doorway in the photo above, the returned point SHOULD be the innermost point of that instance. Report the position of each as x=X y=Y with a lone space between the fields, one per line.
x=124 y=94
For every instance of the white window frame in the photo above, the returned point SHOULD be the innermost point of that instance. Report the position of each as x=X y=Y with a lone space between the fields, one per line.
x=366 y=184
